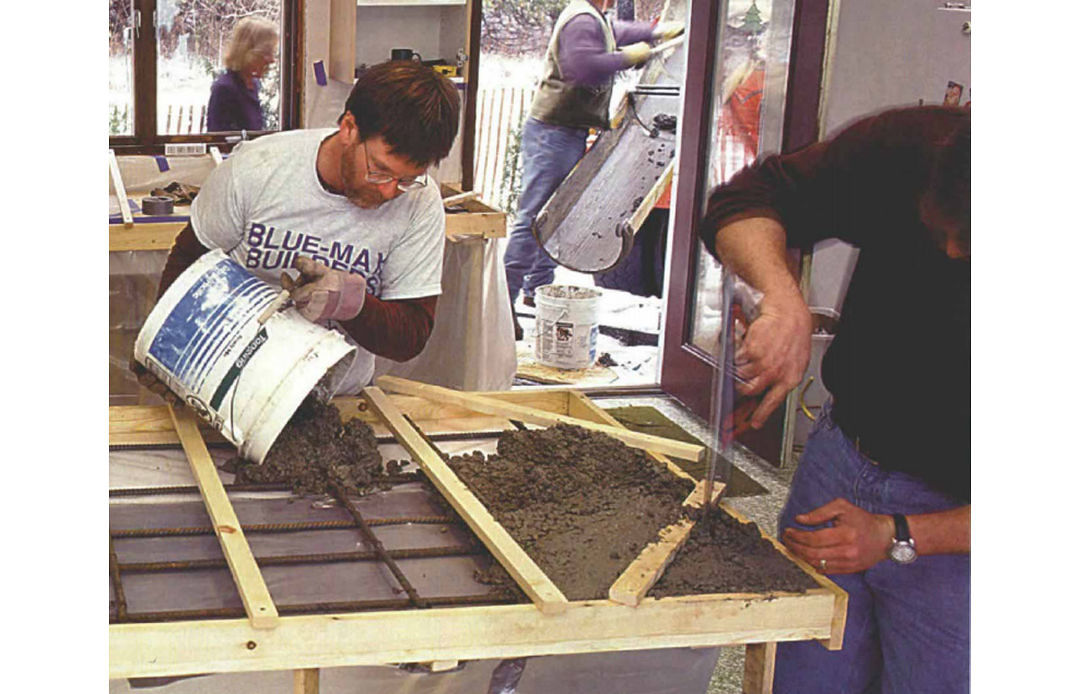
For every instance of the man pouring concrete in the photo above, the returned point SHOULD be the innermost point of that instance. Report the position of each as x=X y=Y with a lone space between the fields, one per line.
x=352 y=208
x=582 y=58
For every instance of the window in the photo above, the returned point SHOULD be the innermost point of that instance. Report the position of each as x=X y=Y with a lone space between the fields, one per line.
x=164 y=56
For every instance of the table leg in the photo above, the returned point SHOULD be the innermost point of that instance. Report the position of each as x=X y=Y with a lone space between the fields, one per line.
x=759 y=669
x=306 y=681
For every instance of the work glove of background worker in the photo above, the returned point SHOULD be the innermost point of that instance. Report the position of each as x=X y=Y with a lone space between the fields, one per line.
x=324 y=294
x=636 y=53
x=665 y=31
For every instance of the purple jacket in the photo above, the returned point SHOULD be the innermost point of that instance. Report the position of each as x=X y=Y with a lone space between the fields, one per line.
x=232 y=105
x=583 y=58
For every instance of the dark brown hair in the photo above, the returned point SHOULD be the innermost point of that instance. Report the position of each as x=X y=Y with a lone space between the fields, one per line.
x=948 y=193
x=412 y=107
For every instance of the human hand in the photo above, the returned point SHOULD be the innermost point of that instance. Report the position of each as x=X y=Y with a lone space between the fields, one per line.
x=665 y=31
x=774 y=352
x=153 y=384
x=856 y=541
x=636 y=53
x=324 y=294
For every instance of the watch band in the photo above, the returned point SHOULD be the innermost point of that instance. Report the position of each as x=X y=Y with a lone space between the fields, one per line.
x=903 y=533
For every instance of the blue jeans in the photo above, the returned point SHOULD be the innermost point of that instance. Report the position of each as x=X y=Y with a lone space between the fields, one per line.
x=549 y=153
x=908 y=627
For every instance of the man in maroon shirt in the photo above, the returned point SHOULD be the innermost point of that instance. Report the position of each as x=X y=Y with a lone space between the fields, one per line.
x=881 y=498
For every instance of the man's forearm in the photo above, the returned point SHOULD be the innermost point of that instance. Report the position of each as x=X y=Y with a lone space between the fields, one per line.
x=943 y=532
x=396 y=330
x=755 y=249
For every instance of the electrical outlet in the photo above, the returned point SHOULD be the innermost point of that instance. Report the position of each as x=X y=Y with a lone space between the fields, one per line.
x=179 y=149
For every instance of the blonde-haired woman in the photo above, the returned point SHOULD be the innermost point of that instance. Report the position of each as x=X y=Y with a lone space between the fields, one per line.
x=234 y=96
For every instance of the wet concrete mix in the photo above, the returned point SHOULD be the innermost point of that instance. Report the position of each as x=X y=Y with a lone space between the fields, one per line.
x=580 y=503
x=726 y=555
x=314 y=450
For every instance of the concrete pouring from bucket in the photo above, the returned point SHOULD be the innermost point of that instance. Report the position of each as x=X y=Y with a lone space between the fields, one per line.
x=204 y=341
x=567 y=325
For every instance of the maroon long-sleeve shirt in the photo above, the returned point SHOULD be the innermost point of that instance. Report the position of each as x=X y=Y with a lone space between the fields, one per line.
x=899 y=367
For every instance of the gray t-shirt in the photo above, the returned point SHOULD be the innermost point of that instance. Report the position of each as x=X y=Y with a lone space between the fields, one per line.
x=264 y=205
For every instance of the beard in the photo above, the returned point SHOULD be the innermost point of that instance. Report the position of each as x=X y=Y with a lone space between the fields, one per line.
x=356 y=189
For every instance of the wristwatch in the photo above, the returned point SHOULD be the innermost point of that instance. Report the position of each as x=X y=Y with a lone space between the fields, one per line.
x=902 y=550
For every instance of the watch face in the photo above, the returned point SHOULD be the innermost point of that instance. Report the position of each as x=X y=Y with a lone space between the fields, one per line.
x=902 y=552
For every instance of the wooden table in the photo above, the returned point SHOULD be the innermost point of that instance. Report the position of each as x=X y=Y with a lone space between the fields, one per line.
x=444 y=636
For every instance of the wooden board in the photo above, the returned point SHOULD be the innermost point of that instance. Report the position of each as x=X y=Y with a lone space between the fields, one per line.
x=245 y=572
x=547 y=597
x=464 y=633
x=480 y=403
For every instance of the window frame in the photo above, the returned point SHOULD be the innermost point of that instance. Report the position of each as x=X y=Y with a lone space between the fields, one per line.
x=146 y=139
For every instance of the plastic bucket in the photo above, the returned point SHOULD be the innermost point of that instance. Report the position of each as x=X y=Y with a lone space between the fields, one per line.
x=204 y=341
x=566 y=326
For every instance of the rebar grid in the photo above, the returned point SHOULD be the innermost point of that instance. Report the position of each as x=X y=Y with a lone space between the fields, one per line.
x=318 y=608
x=343 y=496
x=299 y=559
x=290 y=527
x=378 y=551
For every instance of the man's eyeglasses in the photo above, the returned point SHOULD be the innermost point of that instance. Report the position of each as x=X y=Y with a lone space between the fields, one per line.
x=381 y=177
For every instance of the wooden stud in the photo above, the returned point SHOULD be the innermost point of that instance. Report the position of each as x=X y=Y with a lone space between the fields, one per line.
x=488 y=405
x=643 y=573
x=306 y=681
x=759 y=668
x=545 y=594
x=464 y=633
x=262 y=614
x=153 y=236
x=118 y=188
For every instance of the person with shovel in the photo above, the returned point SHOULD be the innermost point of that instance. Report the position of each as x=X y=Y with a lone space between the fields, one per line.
x=880 y=501
x=583 y=55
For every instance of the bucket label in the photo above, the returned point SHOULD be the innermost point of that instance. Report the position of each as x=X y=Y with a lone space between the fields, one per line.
x=205 y=322
x=234 y=371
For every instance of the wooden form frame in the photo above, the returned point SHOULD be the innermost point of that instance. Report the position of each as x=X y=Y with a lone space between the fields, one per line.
x=305 y=643
x=487 y=405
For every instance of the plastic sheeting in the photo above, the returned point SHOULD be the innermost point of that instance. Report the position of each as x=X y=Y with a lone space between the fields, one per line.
x=142 y=173
x=661 y=671
x=133 y=283
x=472 y=344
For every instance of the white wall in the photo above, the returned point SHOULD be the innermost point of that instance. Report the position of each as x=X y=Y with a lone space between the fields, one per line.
x=886 y=54
x=433 y=31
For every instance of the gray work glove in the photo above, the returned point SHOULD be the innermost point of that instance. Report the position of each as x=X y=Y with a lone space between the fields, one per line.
x=636 y=53
x=665 y=31
x=323 y=294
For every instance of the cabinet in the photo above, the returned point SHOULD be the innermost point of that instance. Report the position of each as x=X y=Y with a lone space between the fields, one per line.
x=363 y=32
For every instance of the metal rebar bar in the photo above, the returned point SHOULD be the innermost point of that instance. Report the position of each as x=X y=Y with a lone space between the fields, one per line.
x=295 y=559
x=403 y=478
x=493 y=598
x=369 y=536
x=297 y=526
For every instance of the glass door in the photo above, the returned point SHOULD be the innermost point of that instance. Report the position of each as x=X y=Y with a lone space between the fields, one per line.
x=761 y=65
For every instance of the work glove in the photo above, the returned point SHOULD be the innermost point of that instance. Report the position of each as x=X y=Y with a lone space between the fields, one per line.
x=324 y=294
x=153 y=384
x=665 y=31
x=636 y=53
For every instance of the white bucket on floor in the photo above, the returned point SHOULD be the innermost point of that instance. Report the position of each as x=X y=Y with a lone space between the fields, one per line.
x=204 y=341
x=567 y=324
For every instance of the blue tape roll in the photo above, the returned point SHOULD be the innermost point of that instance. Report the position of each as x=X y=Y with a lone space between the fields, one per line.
x=162 y=163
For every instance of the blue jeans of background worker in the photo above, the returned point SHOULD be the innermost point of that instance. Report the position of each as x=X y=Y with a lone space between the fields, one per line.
x=549 y=152
x=908 y=626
